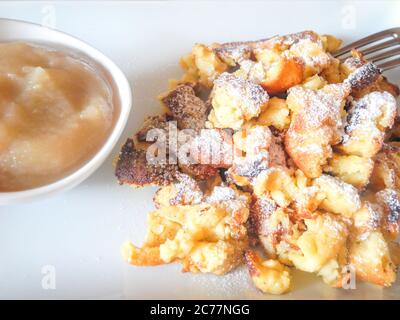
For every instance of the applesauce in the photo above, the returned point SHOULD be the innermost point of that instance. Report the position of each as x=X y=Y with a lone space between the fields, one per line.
x=56 y=111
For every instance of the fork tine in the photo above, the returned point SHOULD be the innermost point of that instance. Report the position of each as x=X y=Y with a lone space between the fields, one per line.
x=368 y=50
x=386 y=54
x=393 y=33
x=387 y=65
x=383 y=45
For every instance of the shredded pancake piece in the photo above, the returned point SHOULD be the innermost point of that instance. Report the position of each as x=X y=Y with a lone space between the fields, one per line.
x=207 y=237
x=316 y=125
x=189 y=110
x=309 y=175
x=133 y=169
x=367 y=121
x=235 y=100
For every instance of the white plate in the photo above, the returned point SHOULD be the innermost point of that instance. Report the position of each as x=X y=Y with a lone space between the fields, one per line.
x=78 y=234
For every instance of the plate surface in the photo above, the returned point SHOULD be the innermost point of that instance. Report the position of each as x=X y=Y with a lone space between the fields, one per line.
x=74 y=238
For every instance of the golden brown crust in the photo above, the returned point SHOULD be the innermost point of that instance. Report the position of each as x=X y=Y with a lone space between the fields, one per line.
x=386 y=172
x=371 y=260
x=233 y=53
x=189 y=111
x=281 y=62
x=363 y=76
x=384 y=84
x=153 y=122
x=251 y=259
x=394 y=248
x=271 y=224
x=219 y=258
x=276 y=150
x=260 y=211
x=133 y=169
x=200 y=171
x=287 y=74
x=389 y=200
x=147 y=256
x=287 y=40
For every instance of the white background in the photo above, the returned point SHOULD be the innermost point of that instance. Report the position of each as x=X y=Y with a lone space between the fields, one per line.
x=80 y=232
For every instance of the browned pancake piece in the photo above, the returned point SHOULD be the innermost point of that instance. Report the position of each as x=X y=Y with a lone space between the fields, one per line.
x=233 y=53
x=200 y=171
x=189 y=110
x=153 y=122
x=364 y=76
x=132 y=168
x=260 y=211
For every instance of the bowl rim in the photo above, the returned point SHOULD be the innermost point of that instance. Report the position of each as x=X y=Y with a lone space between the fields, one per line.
x=122 y=90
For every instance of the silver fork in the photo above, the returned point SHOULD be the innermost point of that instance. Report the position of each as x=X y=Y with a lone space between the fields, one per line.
x=382 y=48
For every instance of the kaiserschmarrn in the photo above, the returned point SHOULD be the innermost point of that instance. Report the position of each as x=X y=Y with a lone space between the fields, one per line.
x=274 y=155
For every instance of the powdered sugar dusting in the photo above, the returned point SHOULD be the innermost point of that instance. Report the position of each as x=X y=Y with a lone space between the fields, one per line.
x=250 y=95
x=251 y=165
x=363 y=76
x=188 y=191
x=335 y=183
x=306 y=51
x=321 y=106
x=234 y=52
x=390 y=199
x=221 y=193
x=236 y=284
x=374 y=214
x=305 y=195
x=334 y=225
x=212 y=146
x=228 y=198
x=261 y=210
x=290 y=39
x=364 y=113
x=353 y=63
x=266 y=205
x=251 y=70
x=258 y=138
x=313 y=148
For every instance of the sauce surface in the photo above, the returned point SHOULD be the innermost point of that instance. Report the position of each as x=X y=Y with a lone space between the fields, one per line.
x=55 y=113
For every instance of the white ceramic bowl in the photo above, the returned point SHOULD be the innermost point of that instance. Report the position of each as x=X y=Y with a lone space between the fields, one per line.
x=13 y=30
